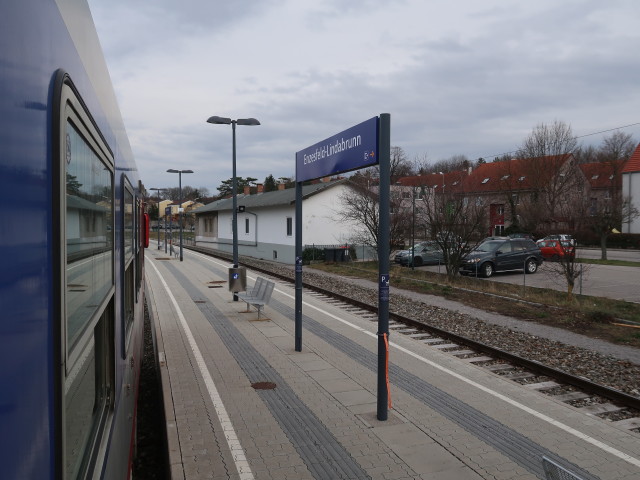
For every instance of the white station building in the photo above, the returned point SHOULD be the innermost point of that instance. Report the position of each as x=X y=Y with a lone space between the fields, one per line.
x=266 y=221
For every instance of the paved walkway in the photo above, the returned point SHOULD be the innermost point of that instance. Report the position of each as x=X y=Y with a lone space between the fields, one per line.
x=450 y=419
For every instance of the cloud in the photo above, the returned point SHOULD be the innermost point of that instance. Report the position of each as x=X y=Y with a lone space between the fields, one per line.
x=464 y=77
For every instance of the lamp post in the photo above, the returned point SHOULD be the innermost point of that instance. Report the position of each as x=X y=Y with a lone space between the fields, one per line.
x=413 y=227
x=234 y=181
x=158 y=222
x=180 y=172
x=442 y=173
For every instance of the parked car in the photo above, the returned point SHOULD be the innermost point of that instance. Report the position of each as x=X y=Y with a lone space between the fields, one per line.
x=559 y=236
x=556 y=249
x=425 y=253
x=521 y=235
x=502 y=254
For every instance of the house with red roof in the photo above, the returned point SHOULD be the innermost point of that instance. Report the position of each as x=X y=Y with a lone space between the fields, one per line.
x=532 y=193
x=631 y=189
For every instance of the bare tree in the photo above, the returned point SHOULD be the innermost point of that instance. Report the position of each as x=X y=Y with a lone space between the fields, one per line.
x=451 y=164
x=611 y=213
x=548 y=140
x=566 y=268
x=606 y=208
x=400 y=165
x=617 y=146
x=456 y=224
x=552 y=175
x=360 y=206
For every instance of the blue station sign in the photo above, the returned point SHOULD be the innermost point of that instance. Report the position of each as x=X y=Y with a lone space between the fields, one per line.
x=354 y=148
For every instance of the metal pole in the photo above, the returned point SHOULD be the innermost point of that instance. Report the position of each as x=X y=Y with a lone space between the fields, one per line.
x=384 y=153
x=234 y=190
x=158 y=222
x=165 y=231
x=413 y=227
x=180 y=211
x=298 y=286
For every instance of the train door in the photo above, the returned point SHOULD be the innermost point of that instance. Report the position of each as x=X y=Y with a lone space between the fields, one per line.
x=83 y=199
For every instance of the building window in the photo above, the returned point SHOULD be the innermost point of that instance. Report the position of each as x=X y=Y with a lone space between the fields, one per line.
x=289 y=227
x=246 y=225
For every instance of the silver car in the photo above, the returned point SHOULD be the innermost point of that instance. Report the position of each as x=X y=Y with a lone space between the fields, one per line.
x=425 y=253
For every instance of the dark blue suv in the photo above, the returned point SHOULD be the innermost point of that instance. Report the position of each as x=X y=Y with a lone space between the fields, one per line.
x=502 y=254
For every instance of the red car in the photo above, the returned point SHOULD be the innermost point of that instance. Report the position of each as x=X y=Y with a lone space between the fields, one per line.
x=556 y=249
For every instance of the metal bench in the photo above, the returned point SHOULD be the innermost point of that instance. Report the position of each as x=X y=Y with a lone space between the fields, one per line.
x=260 y=294
x=554 y=471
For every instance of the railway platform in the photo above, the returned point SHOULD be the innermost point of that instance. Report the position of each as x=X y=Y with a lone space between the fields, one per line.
x=241 y=403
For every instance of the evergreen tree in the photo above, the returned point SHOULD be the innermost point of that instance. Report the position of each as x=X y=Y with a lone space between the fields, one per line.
x=270 y=184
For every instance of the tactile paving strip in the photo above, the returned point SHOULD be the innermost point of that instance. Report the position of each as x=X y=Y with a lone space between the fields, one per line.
x=324 y=456
x=512 y=444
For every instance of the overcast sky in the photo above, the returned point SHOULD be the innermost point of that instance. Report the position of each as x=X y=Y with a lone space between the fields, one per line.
x=458 y=77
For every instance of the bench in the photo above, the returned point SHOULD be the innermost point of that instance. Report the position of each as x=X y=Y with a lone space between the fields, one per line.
x=259 y=295
x=554 y=471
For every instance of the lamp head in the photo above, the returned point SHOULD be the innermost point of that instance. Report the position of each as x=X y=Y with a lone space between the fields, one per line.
x=247 y=121
x=219 y=120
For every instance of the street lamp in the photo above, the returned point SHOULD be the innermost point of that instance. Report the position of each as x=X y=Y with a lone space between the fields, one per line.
x=442 y=173
x=158 y=222
x=234 y=189
x=180 y=172
x=413 y=227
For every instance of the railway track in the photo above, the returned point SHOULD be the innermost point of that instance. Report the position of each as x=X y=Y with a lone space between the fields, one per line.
x=620 y=408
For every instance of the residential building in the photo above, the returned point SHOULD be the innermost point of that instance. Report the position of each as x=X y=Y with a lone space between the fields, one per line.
x=605 y=185
x=535 y=194
x=631 y=189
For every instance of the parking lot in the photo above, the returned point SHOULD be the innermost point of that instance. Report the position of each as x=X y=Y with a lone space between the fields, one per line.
x=617 y=282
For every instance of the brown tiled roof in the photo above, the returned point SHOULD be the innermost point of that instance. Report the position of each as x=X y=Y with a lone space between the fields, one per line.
x=599 y=174
x=633 y=164
x=514 y=175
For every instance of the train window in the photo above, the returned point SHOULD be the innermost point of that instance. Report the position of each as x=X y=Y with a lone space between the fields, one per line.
x=130 y=247
x=83 y=193
x=89 y=233
x=129 y=230
x=88 y=390
x=129 y=299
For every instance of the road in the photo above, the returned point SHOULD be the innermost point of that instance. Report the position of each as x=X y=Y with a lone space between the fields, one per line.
x=622 y=283
x=612 y=254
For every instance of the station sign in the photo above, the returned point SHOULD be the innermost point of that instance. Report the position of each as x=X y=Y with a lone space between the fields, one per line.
x=351 y=149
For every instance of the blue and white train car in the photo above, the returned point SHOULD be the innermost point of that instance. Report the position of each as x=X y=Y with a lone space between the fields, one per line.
x=72 y=235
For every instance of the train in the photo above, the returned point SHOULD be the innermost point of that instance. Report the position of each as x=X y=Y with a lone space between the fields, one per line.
x=73 y=230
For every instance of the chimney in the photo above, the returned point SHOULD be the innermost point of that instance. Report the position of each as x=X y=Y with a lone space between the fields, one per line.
x=260 y=188
x=281 y=186
x=247 y=190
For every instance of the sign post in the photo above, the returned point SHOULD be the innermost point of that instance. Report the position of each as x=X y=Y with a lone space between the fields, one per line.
x=383 y=264
x=361 y=146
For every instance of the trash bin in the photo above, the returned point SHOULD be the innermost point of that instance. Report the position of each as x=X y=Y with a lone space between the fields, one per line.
x=237 y=279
